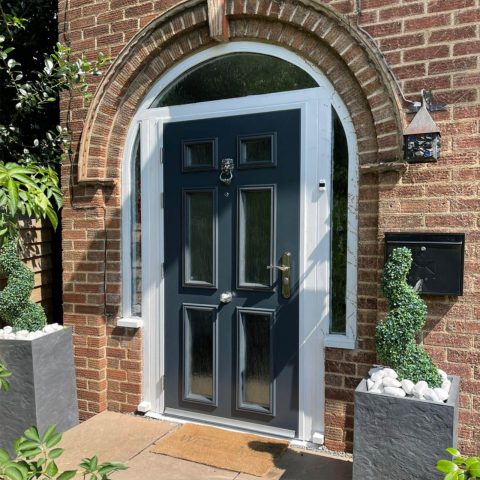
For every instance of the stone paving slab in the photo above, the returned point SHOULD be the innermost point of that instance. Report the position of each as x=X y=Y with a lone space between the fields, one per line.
x=128 y=439
x=112 y=437
x=152 y=466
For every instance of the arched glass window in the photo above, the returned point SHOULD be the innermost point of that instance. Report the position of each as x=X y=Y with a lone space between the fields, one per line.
x=339 y=226
x=233 y=76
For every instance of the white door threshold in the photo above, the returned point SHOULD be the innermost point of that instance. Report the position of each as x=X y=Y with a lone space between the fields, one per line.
x=181 y=416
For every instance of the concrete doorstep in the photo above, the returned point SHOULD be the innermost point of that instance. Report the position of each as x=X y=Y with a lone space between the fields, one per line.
x=128 y=439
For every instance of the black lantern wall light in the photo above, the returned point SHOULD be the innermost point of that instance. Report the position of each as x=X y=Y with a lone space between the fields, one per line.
x=422 y=136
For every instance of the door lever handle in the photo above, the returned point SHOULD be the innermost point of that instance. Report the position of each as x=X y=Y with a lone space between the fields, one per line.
x=282 y=268
x=285 y=268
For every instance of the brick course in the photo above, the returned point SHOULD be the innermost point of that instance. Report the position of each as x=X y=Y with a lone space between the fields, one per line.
x=429 y=44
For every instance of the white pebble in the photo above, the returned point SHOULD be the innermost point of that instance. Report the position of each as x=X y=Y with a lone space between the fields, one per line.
x=442 y=374
x=374 y=370
x=395 y=391
x=419 y=389
x=446 y=385
x=389 y=372
x=378 y=375
x=370 y=384
x=48 y=329
x=8 y=329
x=431 y=396
x=441 y=394
x=57 y=327
x=391 y=382
x=408 y=385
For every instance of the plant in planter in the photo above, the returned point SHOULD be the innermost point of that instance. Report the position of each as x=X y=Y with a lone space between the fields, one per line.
x=395 y=335
x=405 y=414
x=43 y=390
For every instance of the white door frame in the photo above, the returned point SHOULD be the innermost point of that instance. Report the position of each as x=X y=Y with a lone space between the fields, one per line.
x=314 y=263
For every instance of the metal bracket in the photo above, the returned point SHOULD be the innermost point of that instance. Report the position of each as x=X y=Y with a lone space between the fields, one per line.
x=428 y=102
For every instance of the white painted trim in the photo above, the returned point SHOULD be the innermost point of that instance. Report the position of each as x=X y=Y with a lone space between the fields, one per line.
x=229 y=423
x=132 y=322
x=316 y=113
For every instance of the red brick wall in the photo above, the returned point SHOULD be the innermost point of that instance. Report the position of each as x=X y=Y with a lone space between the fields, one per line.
x=431 y=44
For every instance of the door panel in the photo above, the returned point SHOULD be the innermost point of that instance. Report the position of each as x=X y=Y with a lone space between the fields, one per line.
x=237 y=360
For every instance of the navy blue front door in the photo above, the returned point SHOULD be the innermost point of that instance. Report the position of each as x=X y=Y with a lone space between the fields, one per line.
x=231 y=316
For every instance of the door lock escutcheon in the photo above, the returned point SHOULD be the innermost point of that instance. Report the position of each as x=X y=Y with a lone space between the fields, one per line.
x=285 y=269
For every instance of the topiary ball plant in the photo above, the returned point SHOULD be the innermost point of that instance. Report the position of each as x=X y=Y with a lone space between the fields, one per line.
x=16 y=308
x=395 y=335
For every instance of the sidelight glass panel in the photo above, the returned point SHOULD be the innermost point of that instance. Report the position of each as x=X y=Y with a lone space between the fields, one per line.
x=198 y=155
x=200 y=354
x=257 y=151
x=339 y=226
x=232 y=76
x=255 y=237
x=199 y=246
x=136 y=232
x=255 y=361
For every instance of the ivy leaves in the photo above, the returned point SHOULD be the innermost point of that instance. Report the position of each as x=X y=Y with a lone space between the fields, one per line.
x=35 y=457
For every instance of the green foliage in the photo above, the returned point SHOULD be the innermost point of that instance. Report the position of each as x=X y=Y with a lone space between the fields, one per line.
x=35 y=459
x=27 y=190
x=31 y=147
x=4 y=374
x=395 y=335
x=16 y=308
x=460 y=467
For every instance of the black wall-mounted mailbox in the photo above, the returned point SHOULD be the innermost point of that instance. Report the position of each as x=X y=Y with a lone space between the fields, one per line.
x=437 y=267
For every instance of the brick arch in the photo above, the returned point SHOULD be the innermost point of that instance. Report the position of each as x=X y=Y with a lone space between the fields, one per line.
x=311 y=30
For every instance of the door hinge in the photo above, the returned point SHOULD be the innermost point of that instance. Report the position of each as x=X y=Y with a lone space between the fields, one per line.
x=161 y=155
x=162 y=383
x=161 y=199
x=162 y=270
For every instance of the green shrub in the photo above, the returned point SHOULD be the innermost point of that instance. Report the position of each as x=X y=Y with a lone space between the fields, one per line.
x=395 y=335
x=461 y=468
x=16 y=308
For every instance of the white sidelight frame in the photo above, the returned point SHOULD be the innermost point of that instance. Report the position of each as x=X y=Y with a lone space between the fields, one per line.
x=315 y=105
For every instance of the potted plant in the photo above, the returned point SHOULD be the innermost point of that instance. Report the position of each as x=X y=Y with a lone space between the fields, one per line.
x=40 y=356
x=406 y=412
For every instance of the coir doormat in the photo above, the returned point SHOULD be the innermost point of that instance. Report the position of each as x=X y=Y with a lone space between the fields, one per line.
x=239 y=452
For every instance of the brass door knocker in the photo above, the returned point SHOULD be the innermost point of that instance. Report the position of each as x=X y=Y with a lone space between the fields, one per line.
x=226 y=173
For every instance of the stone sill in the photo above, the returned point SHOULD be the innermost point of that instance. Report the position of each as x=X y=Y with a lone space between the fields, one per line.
x=340 y=341
x=132 y=322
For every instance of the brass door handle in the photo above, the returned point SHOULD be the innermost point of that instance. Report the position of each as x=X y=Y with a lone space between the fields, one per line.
x=285 y=268
x=282 y=268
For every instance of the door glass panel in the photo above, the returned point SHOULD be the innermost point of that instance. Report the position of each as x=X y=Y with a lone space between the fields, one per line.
x=232 y=76
x=199 y=154
x=200 y=354
x=255 y=361
x=257 y=151
x=255 y=237
x=199 y=249
x=339 y=226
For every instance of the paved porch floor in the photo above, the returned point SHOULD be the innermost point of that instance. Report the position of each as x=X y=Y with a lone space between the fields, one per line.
x=128 y=439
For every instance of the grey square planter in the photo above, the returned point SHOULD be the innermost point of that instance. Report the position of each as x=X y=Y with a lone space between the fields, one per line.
x=42 y=385
x=402 y=438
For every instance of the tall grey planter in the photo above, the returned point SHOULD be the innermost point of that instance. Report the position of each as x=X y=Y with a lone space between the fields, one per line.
x=42 y=386
x=402 y=438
